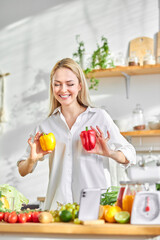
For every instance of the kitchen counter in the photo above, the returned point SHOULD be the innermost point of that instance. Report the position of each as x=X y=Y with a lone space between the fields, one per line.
x=74 y=231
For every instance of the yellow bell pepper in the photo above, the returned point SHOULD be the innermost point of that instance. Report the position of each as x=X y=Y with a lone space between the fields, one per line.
x=47 y=142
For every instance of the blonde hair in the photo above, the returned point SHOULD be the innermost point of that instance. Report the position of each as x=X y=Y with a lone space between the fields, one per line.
x=83 y=95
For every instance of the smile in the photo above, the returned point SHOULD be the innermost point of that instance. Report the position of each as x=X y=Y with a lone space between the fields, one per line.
x=65 y=96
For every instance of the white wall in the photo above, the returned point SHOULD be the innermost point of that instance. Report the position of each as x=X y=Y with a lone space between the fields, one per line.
x=31 y=46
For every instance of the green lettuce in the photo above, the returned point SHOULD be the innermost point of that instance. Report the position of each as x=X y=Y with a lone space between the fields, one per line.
x=9 y=191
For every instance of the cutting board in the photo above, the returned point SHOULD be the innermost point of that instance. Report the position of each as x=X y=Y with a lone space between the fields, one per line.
x=93 y=222
x=140 y=46
x=158 y=47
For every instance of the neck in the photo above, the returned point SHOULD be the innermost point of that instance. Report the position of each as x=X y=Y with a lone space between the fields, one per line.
x=71 y=113
x=72 y=110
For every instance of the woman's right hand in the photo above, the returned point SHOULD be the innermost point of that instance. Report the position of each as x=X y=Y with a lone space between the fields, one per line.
x=36 y=152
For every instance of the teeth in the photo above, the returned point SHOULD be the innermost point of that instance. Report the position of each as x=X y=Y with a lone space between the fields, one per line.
x=64 y=96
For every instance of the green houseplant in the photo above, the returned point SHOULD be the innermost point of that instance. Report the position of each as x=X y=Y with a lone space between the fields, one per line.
x=79 y=55
x=100 y=59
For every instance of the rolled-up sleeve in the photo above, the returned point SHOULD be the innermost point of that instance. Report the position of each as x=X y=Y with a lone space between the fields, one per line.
x=119 y=143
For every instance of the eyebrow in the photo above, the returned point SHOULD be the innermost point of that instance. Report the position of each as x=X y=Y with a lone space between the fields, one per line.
x=66 y=81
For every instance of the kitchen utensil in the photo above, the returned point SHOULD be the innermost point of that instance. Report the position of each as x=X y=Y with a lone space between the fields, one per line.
x=146 y=208
x=140 y=46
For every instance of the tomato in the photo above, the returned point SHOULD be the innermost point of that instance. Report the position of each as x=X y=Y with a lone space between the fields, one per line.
x=6 y=214
x=1 y=216
x=29 y=216
x=12 y=217
x=35 y=216
x=22 y=218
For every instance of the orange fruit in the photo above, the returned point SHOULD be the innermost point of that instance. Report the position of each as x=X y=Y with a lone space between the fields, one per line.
x=110 y=213
x=102 y=210
x=5 y=202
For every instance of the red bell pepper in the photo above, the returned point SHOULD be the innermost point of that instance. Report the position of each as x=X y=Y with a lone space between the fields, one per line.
x=88 y=139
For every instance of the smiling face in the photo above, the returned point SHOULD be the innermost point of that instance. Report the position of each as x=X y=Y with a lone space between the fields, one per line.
x=65 y=86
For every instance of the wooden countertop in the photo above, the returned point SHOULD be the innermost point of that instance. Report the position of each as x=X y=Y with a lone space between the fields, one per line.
x=114 y=229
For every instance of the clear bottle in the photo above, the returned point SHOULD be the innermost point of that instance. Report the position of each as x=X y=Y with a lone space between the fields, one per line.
x=138 y=118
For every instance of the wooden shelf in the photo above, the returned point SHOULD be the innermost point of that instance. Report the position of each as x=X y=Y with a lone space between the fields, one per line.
x=129 y=70
x=142 y=133
x=74 y=231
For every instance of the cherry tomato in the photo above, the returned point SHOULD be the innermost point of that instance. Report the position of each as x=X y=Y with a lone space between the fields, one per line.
x=1 y=216
x=35 y=216
x=6 y=214
x=22 y=218
x=29 y=216
x=12 y=217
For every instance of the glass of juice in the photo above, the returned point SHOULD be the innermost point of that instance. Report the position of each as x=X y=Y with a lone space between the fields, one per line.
x=129 y=194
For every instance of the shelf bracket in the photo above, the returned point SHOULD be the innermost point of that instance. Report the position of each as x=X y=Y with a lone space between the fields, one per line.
x=127 y=82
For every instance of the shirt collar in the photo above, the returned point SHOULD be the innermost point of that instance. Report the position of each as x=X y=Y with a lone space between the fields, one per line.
x=58 y=109
x=89 y=109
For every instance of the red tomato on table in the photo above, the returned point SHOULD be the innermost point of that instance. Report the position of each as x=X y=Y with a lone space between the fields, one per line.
x=1 y=216
x=22 y=218
x=35 y=216
x=6 y=214
x=12 y=218
x=29 y=216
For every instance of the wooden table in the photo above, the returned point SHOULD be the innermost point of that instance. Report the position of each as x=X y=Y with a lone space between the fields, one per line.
x=73 y=231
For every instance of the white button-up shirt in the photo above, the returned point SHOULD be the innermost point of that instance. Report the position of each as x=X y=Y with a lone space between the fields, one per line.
x=71 y=167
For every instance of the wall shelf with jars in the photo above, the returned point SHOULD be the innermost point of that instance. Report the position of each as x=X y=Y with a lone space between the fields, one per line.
x=130 y=70
x=142 y=133
x=144 y=140
x=126 y=72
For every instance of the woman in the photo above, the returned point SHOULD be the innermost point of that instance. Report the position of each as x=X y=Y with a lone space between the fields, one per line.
x=71 y=166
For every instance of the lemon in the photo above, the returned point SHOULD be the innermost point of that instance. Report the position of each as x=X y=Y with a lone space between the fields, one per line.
x=65 y=216
x=122 y=217
x=110 y=213
x=102 y=209
x=5 y=202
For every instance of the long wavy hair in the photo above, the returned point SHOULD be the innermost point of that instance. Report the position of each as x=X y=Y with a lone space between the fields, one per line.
x=83 y=95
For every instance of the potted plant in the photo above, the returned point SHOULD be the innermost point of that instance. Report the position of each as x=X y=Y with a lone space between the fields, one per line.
x=100 y=59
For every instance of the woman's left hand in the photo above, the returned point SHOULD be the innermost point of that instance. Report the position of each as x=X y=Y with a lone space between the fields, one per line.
x=101 y=146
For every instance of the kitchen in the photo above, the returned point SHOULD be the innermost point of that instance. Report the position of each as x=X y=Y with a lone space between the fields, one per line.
x=42 y=33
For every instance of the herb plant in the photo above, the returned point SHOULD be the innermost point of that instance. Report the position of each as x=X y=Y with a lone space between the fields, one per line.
x=80 y=51
x=110 y=196
x=100 y=59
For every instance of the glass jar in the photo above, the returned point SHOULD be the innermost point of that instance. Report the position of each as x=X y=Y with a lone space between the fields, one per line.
x=119 y=59
x=120 y=194
x=138 y=118
x=133 y=60
x=149 y=59
x=129 y=194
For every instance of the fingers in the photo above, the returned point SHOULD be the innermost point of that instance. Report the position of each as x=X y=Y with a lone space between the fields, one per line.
x=109 y=136
x=100 y=134
x=30 y=141
x=36 y=137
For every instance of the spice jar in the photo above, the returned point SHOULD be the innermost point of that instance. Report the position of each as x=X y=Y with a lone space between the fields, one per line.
x=129 y=194
x=138 y=118
x=149 y=59
x=133 y=60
